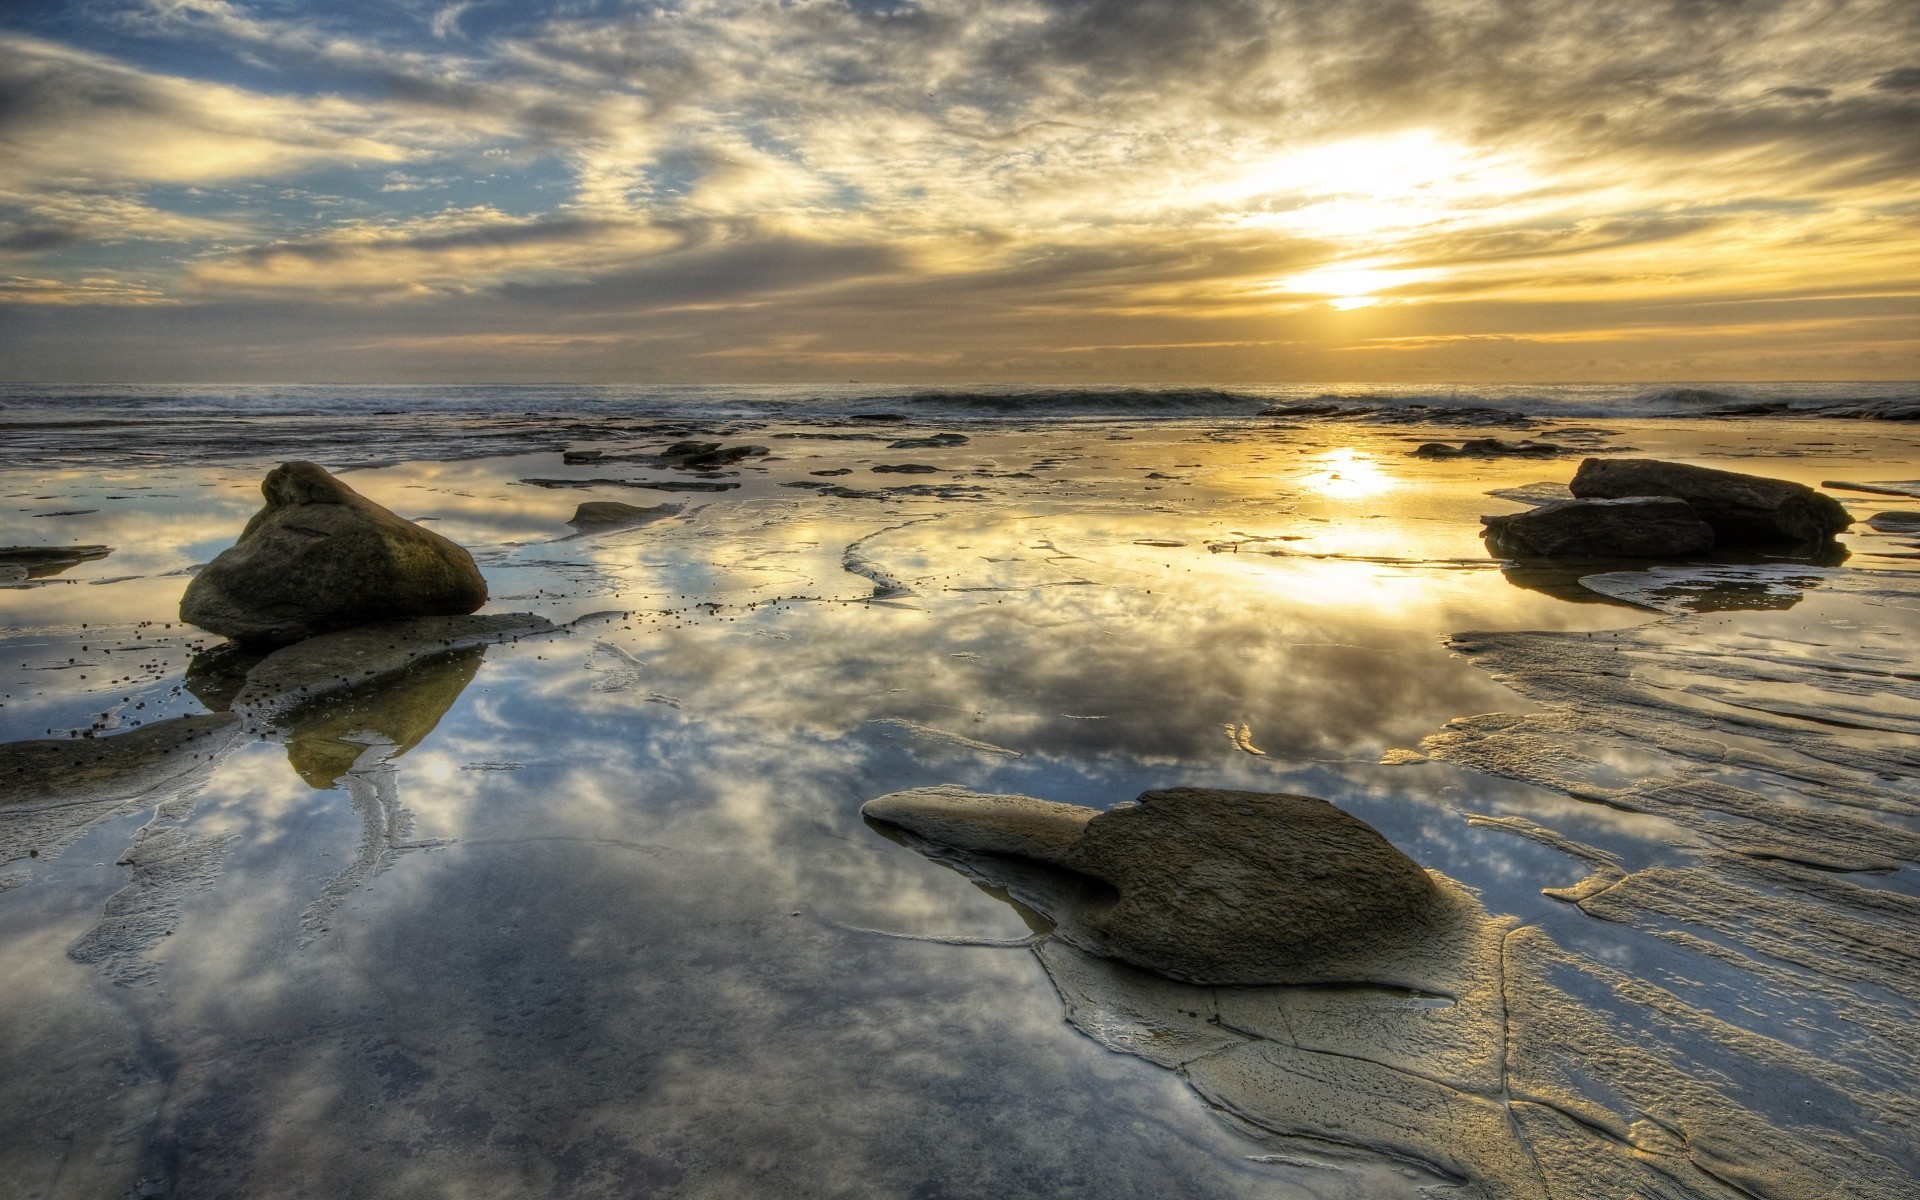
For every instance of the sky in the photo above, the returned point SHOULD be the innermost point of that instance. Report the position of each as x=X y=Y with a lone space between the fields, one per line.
x=959 y=190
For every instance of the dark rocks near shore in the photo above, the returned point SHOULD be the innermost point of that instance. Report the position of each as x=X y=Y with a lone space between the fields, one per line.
x=1490 y=448
x=1642 y=508
x=905 y=469
x=657 y=485
x=1631 y=527
x=321 y=557
x=1744 y=510
x=1196 y=884
x=931 y=442
x=679 y=456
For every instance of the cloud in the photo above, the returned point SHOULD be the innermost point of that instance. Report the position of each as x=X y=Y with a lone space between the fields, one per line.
x=1058 y=160
x=74 y=118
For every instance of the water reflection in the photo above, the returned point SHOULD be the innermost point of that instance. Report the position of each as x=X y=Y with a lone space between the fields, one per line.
x=325 y=737
x=590 y=914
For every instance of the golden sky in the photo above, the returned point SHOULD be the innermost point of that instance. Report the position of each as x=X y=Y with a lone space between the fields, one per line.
x=1045 y=190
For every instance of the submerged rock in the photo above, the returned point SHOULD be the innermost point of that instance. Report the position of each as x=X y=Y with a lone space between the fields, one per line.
x=611 y=514
x=321 y=557
x=1744 y=510
x=1198 y=884
x=1632 y=527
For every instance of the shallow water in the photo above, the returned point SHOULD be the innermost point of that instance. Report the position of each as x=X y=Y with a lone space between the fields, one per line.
x=596 y=913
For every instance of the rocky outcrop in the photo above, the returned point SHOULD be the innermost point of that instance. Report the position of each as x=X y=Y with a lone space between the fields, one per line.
x=1634 y=527
x=1196 y=884
x=321 y=557
x=1744 y=510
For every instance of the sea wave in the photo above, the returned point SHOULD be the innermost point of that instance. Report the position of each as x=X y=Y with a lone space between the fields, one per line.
x=364 y=424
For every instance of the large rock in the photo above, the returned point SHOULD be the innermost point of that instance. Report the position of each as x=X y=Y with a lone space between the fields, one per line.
x=1744 y=510
x=321 y=557
x=1633 y=527
x=1197 y=884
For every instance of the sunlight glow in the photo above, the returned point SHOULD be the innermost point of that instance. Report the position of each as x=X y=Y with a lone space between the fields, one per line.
x=1354 y=285
x=1364 y=187
x=1347 y=475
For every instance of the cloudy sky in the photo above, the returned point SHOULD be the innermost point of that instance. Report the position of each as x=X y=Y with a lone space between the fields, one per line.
x=1046 y=190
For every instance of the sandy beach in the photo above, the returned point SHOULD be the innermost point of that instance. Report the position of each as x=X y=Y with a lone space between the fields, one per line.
x=590 y=905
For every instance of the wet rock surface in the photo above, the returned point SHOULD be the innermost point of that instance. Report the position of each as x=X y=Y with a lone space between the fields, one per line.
x=1199 y=884
x=321 y=557
x=1633 y=527
x=1744 y=510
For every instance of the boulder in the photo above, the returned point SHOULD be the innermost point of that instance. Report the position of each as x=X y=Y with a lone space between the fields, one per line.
x=1744 y=510
x=321 y=557
x=1197 y=884
x=1634 y=527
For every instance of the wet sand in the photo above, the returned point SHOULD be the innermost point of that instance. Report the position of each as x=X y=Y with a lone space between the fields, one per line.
x=594 y=912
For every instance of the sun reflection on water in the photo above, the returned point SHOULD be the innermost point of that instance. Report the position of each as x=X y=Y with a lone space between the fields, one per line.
x=1347 y=474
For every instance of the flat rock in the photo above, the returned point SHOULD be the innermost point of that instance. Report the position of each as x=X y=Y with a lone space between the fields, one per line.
x=301 y=672
x=21 y=563
x=1895 y=522
x=1632 y=527
x=611 y=514
x=1744 y=510
x=321 y=557
x=906 y=468
x=71 y=770
x=1198 y=884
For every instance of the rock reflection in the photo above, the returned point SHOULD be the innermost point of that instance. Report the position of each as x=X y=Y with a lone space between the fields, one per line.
x=326 y=736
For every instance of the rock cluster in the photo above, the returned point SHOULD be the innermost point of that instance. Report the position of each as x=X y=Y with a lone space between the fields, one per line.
x=1744 y=510
x=1641 y=508
x=321 y=557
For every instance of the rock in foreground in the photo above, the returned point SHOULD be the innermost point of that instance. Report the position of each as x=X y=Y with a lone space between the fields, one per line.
x=1633 y=527
x=1744 y=510
x=321 y=557
x=1197 y=884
